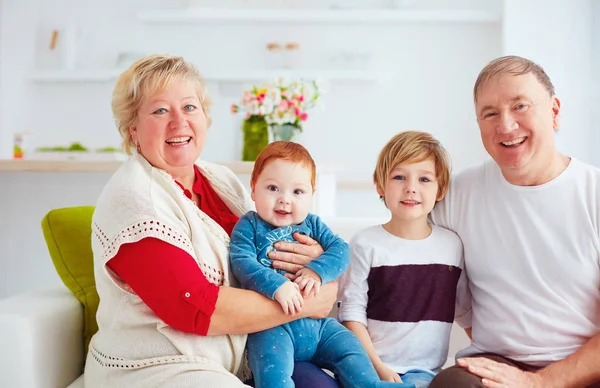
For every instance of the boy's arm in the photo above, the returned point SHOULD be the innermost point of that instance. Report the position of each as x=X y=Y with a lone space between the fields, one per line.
x=353 y=295
x=244 y=264
x=384 y=372
x=336 y=258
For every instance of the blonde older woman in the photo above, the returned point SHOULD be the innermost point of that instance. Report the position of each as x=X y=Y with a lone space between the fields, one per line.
x=170 y=314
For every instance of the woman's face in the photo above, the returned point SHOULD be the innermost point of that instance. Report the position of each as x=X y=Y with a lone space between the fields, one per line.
x=171 y=127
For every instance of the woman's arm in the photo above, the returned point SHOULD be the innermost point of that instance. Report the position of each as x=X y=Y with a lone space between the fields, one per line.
x=242 y=311
x=168 y=280
x=177 y=291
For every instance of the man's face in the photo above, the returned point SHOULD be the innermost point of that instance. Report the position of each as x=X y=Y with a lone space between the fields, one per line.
x=517 y=118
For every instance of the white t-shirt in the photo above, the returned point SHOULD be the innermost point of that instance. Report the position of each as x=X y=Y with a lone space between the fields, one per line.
x=532 y=256
x=404 y=292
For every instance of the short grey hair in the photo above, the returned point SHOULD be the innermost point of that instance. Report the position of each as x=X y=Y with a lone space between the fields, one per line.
x=513 y=65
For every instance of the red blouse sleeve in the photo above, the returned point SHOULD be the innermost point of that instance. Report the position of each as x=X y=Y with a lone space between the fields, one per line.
x=169 y=281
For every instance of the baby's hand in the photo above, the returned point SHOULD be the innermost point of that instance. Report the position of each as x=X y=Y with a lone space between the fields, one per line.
x=290 y=298
x=308 y=280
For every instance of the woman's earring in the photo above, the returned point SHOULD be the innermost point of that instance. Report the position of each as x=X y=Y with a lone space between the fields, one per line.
x=137 y=147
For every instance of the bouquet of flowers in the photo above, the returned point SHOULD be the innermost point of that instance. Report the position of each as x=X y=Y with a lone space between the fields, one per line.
x=279 y=107
x=280 y=102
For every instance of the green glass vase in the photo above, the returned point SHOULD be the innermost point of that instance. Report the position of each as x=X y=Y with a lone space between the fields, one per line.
x=256 y=137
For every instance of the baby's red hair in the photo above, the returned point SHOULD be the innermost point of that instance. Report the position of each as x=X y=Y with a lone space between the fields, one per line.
x=284 y=150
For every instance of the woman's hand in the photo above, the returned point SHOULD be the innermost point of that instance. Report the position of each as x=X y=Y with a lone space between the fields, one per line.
x=291 y=257
x=320 y=306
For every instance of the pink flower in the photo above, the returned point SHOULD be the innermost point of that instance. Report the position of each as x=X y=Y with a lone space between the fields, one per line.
x=301 y=98
x=234 y=109
x=283 y=105
x=304 y=116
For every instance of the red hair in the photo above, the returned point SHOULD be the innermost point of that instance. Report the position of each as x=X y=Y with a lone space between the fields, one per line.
x=284 y=150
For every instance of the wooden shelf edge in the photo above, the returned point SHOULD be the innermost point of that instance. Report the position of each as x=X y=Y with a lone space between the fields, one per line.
x=109 y=166
x=43 y=165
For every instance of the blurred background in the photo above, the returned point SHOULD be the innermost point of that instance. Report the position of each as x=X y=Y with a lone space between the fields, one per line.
x=384 y=66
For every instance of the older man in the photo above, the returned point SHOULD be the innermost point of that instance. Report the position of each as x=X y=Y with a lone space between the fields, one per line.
x=530 y=223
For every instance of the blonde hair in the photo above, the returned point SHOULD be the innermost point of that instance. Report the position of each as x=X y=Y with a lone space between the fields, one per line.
x=147 y=76
x=513 y=65
x=413 y=147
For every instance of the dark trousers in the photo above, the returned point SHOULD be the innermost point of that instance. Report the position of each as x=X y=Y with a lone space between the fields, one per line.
x=308 y=375
x=457 y=377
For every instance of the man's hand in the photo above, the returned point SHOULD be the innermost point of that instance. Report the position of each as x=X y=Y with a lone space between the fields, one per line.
x=308 y=280
x=387 y=374
x=292 y=257
x=290 y=298
x=497 y=375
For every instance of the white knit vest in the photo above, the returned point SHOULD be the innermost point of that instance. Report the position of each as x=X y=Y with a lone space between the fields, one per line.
x=142 y=201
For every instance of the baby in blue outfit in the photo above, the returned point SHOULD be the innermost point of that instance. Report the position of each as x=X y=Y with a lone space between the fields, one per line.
x=282 y=188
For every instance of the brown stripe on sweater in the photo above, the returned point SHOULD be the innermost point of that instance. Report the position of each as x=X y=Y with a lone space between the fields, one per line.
x=412 y=293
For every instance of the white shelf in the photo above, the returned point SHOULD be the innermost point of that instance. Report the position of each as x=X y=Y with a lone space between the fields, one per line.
x=192 y=15
x=222 y=76
x=62 y=165
x=49 y=165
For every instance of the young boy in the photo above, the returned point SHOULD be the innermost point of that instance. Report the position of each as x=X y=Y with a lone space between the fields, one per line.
x=282 y=186
x=398 y=296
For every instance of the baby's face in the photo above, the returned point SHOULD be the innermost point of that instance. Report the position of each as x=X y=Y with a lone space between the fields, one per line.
x=283 y=193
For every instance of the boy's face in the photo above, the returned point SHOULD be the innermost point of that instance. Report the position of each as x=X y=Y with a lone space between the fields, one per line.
x=283 y=193
x=411 y=190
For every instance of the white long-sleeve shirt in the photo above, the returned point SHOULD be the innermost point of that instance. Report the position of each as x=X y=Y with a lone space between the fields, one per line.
x=532 y=255
x=404 y=292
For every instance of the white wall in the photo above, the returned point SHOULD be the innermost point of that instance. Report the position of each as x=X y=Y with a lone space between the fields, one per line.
x=3 y=140
x=436 y=66
x=595 y=129
x=558 y=35
x=26 y=198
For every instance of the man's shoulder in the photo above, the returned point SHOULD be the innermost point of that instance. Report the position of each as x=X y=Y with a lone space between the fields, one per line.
x=473 y=174
x=588 y=170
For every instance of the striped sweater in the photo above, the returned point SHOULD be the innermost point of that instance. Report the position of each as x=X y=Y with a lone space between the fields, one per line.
x=404 y=292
